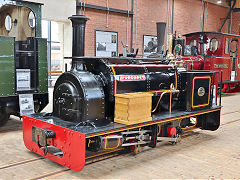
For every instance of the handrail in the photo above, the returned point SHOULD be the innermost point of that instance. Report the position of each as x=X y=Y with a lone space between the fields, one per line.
x=171 y=91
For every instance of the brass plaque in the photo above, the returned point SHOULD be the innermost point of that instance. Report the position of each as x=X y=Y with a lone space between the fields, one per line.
x=220 y=66
x=201 y=91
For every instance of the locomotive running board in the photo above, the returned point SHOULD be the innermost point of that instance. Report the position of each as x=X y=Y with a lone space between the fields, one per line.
x=42 y=133
x=70 y=143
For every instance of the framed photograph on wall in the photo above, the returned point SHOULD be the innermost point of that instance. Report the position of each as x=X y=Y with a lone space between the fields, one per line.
x=147 y=48
x=106 y=43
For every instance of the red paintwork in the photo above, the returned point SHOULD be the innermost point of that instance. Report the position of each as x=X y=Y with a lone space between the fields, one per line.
x=215 y=58
x=172 y=131
x=71 y=143
x=132 y=78
x=193 y=63
x=231 y=88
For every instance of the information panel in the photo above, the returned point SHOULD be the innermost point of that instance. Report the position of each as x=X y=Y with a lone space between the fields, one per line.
x=106 y=43
x=23 y=77
x=148 y=42
x=26 y=104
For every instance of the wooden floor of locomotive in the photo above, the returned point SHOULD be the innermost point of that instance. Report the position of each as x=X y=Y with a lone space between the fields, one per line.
x=201 y=154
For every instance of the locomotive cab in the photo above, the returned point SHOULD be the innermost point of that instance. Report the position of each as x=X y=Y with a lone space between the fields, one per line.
x=214 y=51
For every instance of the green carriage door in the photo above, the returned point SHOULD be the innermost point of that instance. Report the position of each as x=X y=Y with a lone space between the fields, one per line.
x=42 y=65
x=7 y=66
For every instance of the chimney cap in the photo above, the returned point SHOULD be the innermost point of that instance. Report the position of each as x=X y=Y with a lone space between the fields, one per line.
x=78 y=18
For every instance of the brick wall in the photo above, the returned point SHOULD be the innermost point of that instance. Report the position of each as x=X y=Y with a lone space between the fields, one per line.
x=187 y=18
x=236 y=23
x=98 y=21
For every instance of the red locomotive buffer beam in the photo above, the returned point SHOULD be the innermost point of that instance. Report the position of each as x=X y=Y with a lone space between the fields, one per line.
x=66 y=148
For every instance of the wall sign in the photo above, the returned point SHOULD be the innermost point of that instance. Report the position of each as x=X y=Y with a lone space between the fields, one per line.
x=23 y=77
x=106 y=43
x=26 y=104
x=148 y=42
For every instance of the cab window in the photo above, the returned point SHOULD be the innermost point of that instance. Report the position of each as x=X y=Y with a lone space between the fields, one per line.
x=214 y=44
x=31 y=19
x=8 y=23
x=233 y=47
x=193 y=42
x=226 y=45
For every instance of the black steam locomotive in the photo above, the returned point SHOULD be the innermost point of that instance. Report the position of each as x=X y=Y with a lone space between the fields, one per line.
x=84 y=124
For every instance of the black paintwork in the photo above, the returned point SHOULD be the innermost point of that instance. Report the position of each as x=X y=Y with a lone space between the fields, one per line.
x=103 y=8
x=85 y=95
x=11 y=103
x=26 y=58
x=78 y=96
x=78 y=24
x=186 y=89
x=209 y=119
x=100 y=75
x=161 y=27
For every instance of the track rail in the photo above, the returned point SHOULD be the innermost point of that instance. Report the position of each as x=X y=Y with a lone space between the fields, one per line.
x=230 y=112
x=60 y=172
x=230 y=122
x=21 y=163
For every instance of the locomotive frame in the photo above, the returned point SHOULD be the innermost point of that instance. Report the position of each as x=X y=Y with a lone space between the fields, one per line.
x=23 y=57
x=82 y=125
x=69 y=145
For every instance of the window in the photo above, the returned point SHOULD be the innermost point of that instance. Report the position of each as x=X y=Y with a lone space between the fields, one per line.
x=57 y=57
x=214 y=44
x=233 y=45
x=234 y=48
x=31 y=20
x=227 y=45
x=53 y=31
x=8 y=22
x=193 y=42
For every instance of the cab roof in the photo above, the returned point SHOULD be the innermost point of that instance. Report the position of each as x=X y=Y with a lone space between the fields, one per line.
x=211 y=32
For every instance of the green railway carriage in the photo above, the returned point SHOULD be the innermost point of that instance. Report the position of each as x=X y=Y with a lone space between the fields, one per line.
x=23 y=59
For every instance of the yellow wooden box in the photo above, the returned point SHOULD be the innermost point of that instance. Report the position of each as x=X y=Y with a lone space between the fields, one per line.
x=133 y=108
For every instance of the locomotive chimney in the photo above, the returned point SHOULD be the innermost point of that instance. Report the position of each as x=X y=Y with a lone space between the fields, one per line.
x=78 y=35
x=161 y=26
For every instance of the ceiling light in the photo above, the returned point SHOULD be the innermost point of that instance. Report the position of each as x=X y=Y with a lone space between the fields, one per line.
x=219 y=2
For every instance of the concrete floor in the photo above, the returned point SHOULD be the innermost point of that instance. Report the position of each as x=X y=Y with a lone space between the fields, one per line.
x=203 y=154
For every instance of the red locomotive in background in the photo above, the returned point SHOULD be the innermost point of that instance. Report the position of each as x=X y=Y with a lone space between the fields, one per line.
x=213 y=51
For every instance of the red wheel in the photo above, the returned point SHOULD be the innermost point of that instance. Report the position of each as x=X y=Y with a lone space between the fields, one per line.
x=172 y=132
